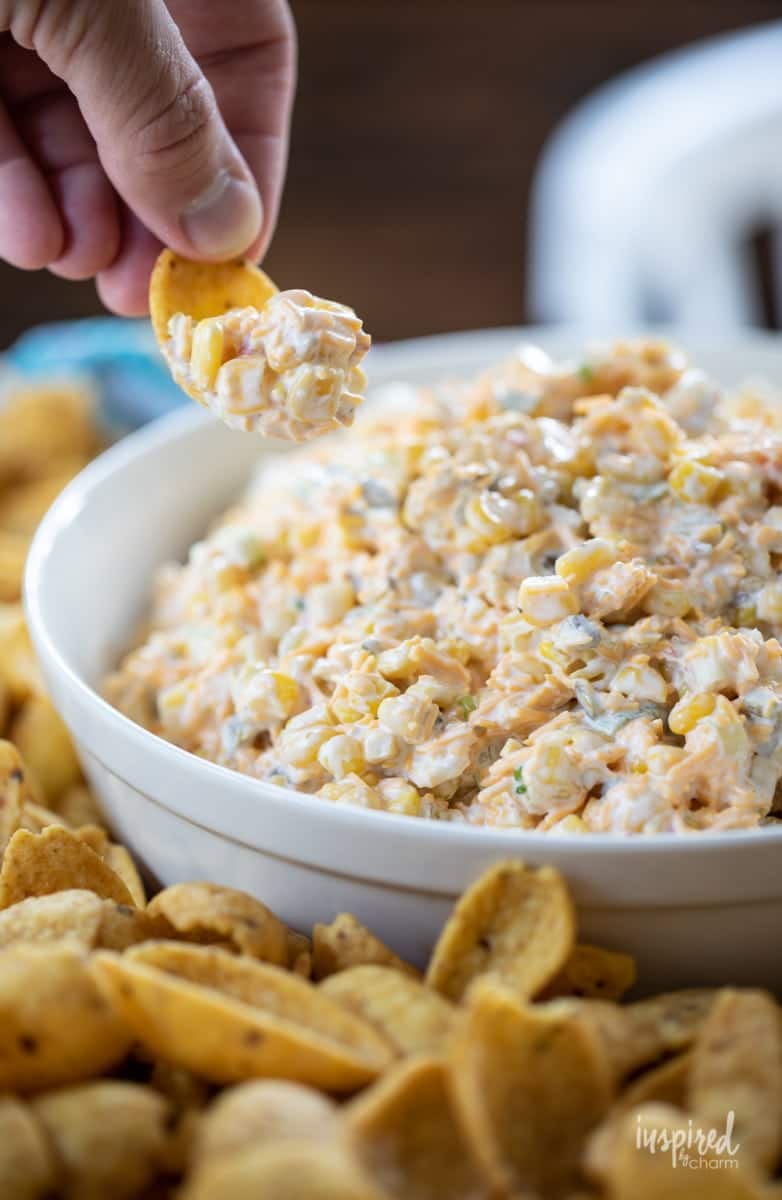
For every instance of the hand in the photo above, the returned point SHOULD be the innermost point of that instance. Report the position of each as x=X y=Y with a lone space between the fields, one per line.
x=126 y=124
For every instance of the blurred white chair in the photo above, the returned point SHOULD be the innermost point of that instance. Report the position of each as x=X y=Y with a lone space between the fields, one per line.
x=647 y=194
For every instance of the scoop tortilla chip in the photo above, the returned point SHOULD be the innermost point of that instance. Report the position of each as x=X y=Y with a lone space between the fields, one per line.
x=406 y=1134
x=19 y=668
x=646 y=1166
x=636 y=1035
x=116 y=857
x=414 y=1018
x=529 y=1086
x=13 y=792
x=46 y=747
x=55 y=1026
x=75 y=915
x=737 y=1067
x=27 y=1167
x=261 y=1112
x=205 y=912
x=299 y=953
x=110 y=1138
x=517 y=924
x=288 y=1171
x=594 y=972
x=665 y=1084
x=179 y=285
x=232 y=1018
x=53 y=861
x=347 y=943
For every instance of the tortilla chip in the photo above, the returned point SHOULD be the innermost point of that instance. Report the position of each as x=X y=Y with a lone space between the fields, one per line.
x=407 y=1135
x=347 y=943
x=530 y=1085
x=77 y=807
x=262 y=1112
x=410 y=1015
x=594 y=972
x=515 y=923
x=299 y=953
x=664 y=1084
x=639 y=1034
x=13 y=792
x=46 y=746
x=737 y=1067
x=13 y=556
x=43 y=424
x=288 y=1171
x=27 y=1166
x=230 y=1018
x=19 y=668
x=200 y=289
x=53 y=861
x=55 y=1027
x=208 y=913
x=110 y=1138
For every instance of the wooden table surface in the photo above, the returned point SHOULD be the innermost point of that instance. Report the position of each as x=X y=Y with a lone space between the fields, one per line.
x=416 y=131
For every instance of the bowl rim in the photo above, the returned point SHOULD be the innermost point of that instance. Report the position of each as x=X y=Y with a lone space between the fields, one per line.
x=421 y=832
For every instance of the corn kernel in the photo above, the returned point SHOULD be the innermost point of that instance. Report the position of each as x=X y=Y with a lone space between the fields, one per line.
x=287 y=690
x=207 y=352
x=571 y=824
x=769 y=603
x=668 y=599
x=341 y=755
x=694 y=482
x=545 y=599
x=479 y=518
x=580 y=564
x=400 y=797
x=692 y=708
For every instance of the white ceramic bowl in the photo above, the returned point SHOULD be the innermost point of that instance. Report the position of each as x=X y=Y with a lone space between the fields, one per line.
x=695 y=909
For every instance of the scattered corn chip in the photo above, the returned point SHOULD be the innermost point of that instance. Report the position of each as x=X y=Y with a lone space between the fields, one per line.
x=347 y=943
x=665 y=1084
x=530 y=1086
x=205 y=912
x=27 y=1167
x=514 y=923
x=19 y=669
x=299 y=953
x=231 y=1019
x=737 y=1067
x=262 y=1112
x=406 y=1133
x=44 y=424
x=289 y=1171
x=23 y=506
x=46 y=747
x=12 y=792
x=116 y=857
x=594 y=972
x=13 y=555
x=414 y=1019
x=78 y=807
x=55 y=1027
x=109 y=1137
x=636 y=1035
x=53 y=861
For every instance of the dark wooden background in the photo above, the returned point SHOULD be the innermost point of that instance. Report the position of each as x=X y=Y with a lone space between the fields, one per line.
x=416 y=131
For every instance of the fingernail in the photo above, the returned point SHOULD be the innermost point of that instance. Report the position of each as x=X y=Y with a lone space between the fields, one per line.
x=224 y=219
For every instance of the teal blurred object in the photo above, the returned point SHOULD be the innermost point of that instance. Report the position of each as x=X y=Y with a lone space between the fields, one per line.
x=119 y=356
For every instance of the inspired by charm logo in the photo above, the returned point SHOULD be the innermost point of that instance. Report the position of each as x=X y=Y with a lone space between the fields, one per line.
x=693 y=1148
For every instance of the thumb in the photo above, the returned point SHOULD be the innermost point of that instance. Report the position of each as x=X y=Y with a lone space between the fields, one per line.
x=153 y=115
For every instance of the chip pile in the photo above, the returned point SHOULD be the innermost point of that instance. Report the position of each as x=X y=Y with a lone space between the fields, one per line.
x=194 y=1046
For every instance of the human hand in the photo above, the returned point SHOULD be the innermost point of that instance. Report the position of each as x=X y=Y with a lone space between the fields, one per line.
x=120 y=132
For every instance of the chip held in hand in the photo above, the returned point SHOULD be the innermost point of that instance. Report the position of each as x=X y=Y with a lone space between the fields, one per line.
x=282 y=364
